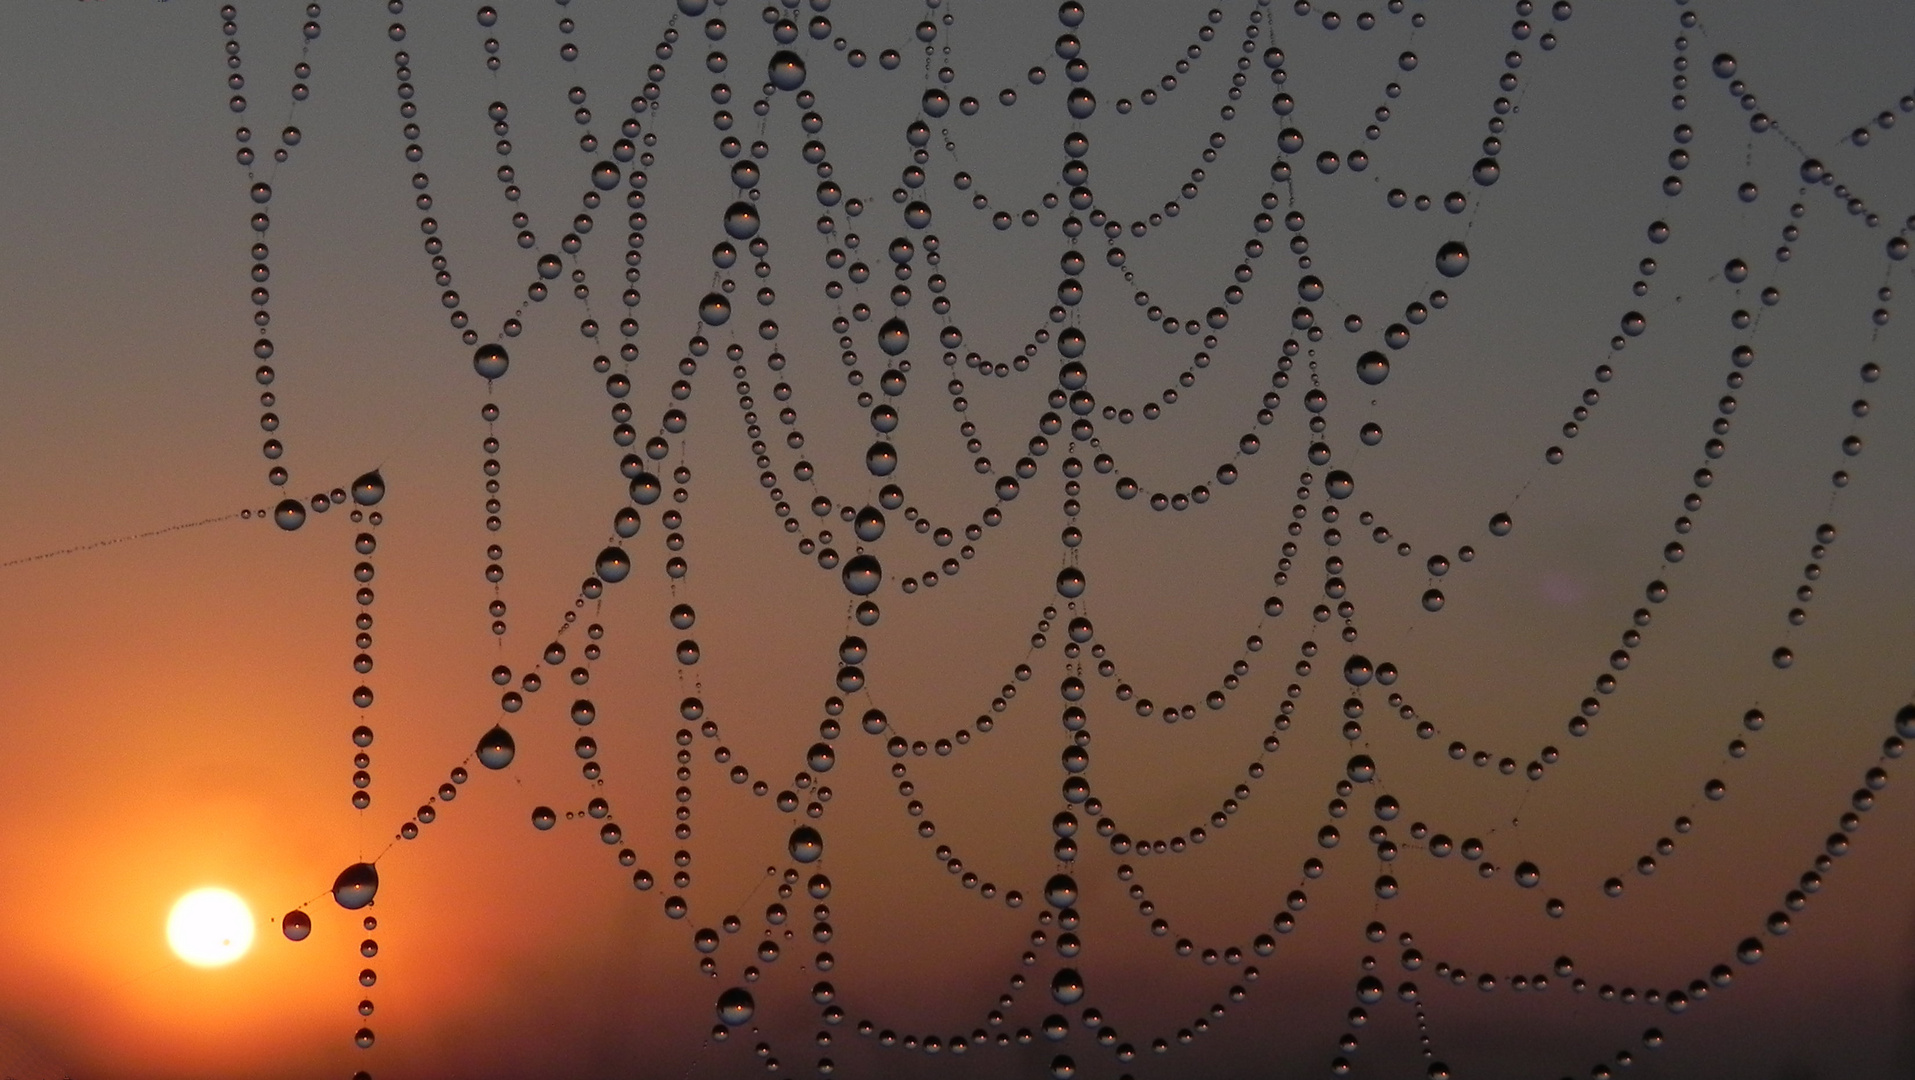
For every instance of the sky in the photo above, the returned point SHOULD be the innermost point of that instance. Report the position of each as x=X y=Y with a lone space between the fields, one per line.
x=1564 y=346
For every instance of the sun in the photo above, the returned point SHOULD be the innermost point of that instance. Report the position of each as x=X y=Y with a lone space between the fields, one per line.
x=210 y=927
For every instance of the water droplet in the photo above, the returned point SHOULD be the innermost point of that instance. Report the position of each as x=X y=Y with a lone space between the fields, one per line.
x=1060 y=891
x=1070 y=582
x=1339 y=484
x=1749 y=951
x=613 y=565
x=787 y=70
x=1433 y=600
x=369 y=489
x=543 y=818
x=290 y=514
x=1080 y=103
x=1905 y=722
x=714 y=309
x=806 y=845
x=1500 y=525
x=355 y=886
x=1361 y=769
x=1373 y=368
x=741 y=221
x=1486 y=171
x=862 y=575
x=1356 y=670
x=869 y=525
x=496 y=748
x=894 y=337
x=1723 y=65
x=1452 y=259
x=735 y=1005
x=296 y=925
x=1067 y=986
x=490 y=361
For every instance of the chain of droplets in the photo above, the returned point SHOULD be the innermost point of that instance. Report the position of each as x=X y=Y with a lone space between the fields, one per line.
x=289 y=513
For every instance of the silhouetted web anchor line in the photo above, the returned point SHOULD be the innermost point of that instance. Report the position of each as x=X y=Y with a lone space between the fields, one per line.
x=150 y=533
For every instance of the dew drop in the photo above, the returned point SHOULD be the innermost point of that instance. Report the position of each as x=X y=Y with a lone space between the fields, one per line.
x=786 y=71
x=490 y=361
x=1452 y=259
x=1373 y=367
x=496 y=748
x=369 y=489
x=296 y=925
x=735 y=1005
x=290 y=514
x=355 y=886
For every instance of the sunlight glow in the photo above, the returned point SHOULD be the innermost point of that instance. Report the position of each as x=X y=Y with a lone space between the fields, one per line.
x=210 y=927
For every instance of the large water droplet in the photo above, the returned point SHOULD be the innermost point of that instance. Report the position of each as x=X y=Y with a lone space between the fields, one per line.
x=613 y=565
x=296 y=925
x=543 y=818
x=369 y=489
x=290 y=514
x=1067 y=986
x=1080 y=103
x=714 y=309
x=806 y=845
x=1356 y=670
x=894 y=337
x=741 y=221
x=1060 y=891
x=862 y=575
x=355 y=886
x=1486 y=171
x=869 y=524
x=1339 y=484
x=881 y=459
x=787 y=70
x=1070 y=582
x=1452 y=259
x=1373 y=367
x=735 y=1005
x=490 y=361
x=496 y=748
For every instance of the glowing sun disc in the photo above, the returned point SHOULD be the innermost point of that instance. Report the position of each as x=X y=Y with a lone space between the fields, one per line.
x=210 y=927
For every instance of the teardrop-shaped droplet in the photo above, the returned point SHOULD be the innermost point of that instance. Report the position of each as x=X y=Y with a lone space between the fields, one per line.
x=355 y=886
x=496 y=748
